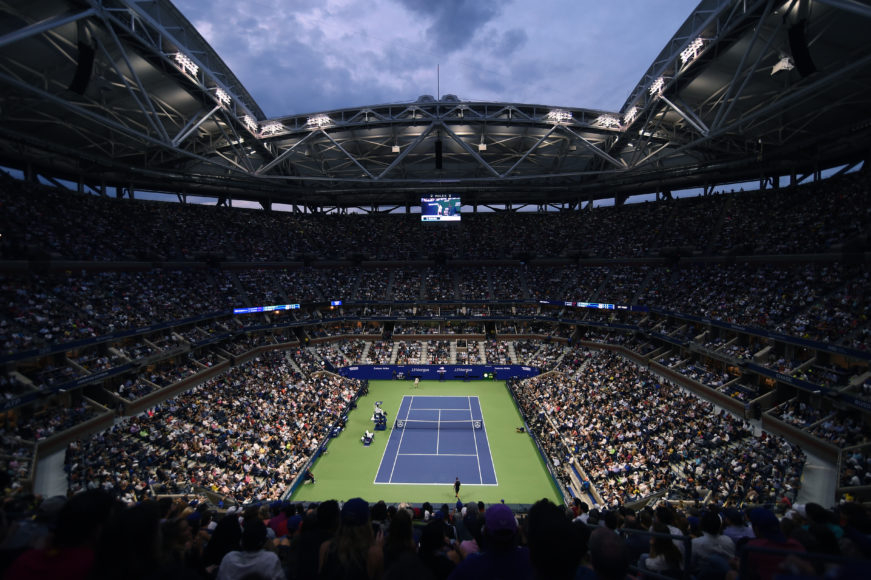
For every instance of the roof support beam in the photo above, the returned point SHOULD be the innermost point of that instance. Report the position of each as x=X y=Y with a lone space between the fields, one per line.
x=141 y=98
x=780 y=104
x=592 y=147
x=687 y=116
x=348 y=155
x=731 y=97
x=423 y=135
x=852 y=6
x=284 y=154
x=470 y=150
x=192 y=126
x=43 y=26
x=528 y=152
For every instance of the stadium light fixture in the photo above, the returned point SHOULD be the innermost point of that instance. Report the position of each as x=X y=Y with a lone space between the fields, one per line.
x=186 y=64
x=223 y=97
x=559 y=116
x=482 y=146
x=319 y=121
x=271 y=129
x=657 y=86
x=630 y=116
x=608 y=121
x=691 y=52
x=250 y=123
x=785 y=63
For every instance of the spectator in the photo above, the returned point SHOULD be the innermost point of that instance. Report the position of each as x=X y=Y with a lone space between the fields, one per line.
x=766 y=528
x=354 y=552
x=252 y=559
x=500 y=556
x=712 y=550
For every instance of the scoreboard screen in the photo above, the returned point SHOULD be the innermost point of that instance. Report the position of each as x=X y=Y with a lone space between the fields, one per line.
x=440 y=208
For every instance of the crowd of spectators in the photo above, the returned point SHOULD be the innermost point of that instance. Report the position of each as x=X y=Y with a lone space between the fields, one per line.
x=635 y=435
x=841 y=428
x=817 y=302
x=92 y=535
x=823 y=300
x=812 y=218
x=244 y=435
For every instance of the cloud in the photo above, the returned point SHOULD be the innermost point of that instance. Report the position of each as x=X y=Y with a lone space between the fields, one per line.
x=319 y=55
x=454 y=23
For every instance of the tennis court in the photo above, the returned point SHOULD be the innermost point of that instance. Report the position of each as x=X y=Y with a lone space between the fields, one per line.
x=349 y=468
x=436 y=439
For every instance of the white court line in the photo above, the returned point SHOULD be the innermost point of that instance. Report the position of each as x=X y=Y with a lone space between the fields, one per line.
x=475 y=439
x=434 y=483
x=401 y=435
x=438 y=431
x=484 y=428
x=437 y=455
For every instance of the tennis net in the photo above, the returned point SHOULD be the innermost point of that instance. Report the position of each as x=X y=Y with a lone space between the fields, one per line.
x=424 y=424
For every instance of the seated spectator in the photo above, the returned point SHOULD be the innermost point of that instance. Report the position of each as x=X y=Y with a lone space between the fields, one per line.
x=70 y=553
x=552 y=542
x=608 y=554
x=664 y=557
x=766 y=528
x=500 y=556
x=252 y=560
x=353 y=551
x=712 y=548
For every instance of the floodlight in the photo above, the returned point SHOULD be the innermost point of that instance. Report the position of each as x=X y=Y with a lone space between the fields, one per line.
x=630 y=115
x=249 y=122
x=319 y=121
x=222 y=96
x=186 y=64
x=395 y=148
x=657 y=86
x=609 y=121
x=559 y=116
x=691 y=51
x=271 y=128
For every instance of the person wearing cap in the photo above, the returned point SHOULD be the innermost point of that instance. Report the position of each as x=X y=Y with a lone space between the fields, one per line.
x=252 y=559
x=500 y=556
x=457 y=487
x=354 y=551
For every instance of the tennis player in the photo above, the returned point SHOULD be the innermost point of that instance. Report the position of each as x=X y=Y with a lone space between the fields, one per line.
x=457 y=487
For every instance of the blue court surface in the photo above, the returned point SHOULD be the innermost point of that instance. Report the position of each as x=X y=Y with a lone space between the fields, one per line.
x=435 y=440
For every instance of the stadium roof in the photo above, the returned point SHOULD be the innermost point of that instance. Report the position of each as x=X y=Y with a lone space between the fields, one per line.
x=127 y=93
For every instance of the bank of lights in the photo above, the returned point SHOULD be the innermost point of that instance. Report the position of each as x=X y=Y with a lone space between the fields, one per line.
x=272 y=128
x=223 y=97
x=250 y=123
x=657 y=86
x=559 y=116
x=186 y=64
x=608 y=121
x=630 y=116
x=692 y=51
x=319 y=121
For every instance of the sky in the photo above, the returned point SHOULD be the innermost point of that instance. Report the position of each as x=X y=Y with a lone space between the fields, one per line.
x=304 y=56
